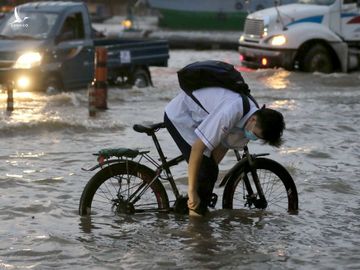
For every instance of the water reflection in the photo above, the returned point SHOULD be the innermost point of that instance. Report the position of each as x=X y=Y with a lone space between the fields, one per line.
x=285 y=151
x=278 y=80
x=175 y=240
x=28 y=107
x=283 y=104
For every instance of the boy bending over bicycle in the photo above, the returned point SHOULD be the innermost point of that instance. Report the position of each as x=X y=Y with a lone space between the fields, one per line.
x=204 y=132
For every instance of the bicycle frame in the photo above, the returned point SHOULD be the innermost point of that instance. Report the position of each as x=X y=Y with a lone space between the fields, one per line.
x=165 y=165
x=246 y=159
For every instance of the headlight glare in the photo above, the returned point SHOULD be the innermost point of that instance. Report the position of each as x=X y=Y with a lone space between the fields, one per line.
x=23 y=83
x=127 y=24
x=28 y=60
x=278 y=40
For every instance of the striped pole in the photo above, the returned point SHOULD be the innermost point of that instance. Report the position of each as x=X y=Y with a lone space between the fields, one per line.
x=92 y=100
x=100 y=82
x=10 y=97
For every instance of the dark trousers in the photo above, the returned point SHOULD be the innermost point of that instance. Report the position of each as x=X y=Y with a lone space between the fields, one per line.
x=209 y=170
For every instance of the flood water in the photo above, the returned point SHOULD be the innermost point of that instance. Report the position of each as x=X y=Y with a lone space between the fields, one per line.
x=48 y=139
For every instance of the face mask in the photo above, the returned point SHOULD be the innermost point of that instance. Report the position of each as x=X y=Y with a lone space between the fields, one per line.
x=250 y=135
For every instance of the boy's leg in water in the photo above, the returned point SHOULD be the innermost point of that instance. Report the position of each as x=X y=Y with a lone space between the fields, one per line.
x=207 y=177
x=208 y=172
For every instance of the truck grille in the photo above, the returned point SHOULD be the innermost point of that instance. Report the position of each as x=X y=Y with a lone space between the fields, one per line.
x=253 y=28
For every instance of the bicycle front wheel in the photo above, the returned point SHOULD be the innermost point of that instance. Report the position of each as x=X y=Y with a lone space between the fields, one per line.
x=124 y=188
x=277 y=184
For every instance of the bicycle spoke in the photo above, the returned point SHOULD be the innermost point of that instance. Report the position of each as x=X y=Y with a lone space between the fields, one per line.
x=104 y=197
x=278 y=199
x=105 y=194
x=273 y=187
x=270 y=188
x=124 y=188
x=278 y=205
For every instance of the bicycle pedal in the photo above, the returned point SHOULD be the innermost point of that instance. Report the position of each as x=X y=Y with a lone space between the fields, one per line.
x=213 y=200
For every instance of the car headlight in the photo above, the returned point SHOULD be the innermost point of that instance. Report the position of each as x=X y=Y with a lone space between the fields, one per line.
x=278 y=40
x=127 y=24
x=28 y=60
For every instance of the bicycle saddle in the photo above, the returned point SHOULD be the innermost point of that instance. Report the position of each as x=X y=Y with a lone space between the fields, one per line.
x=148 y=129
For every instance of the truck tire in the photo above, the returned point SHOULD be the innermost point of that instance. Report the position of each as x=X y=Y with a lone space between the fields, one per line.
x=52 y=85
x=141 y=78
x=318 y=58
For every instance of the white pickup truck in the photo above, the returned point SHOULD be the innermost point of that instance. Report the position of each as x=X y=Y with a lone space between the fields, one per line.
x=311 y=35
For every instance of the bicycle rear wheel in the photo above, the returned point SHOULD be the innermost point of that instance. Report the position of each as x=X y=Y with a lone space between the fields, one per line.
x=277 y=184
x=116 y=189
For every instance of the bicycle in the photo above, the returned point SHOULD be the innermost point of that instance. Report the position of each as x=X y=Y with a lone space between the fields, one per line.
x=124 y=185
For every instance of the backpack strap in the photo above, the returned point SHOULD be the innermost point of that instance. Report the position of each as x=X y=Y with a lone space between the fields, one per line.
x=197 y=101
x=246 y=104
x=245 y=100
x=253 y=100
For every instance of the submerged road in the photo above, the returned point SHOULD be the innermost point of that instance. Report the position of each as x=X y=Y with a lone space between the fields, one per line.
x=48 y=139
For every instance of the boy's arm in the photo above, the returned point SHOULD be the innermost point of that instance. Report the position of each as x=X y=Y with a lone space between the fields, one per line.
x=218 y=153
x=196 y=156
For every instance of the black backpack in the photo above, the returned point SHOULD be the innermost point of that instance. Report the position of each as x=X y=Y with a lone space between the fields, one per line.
x=214 y=73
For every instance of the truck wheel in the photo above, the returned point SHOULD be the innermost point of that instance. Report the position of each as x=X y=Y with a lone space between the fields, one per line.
x=141 y=78
x=52 y=85
x=318 y=58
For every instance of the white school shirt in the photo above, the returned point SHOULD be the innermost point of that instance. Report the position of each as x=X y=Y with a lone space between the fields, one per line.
x=223 y=124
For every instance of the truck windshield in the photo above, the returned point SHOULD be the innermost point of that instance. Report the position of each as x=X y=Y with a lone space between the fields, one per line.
x=27 y=25
x=317 y=2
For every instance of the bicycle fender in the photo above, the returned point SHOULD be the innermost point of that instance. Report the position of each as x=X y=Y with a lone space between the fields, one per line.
x=122 y=154
x=231 y=172
x=119 y=153
x=105 y=162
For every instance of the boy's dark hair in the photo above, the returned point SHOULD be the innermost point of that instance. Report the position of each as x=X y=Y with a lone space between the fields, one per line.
x=272 y=124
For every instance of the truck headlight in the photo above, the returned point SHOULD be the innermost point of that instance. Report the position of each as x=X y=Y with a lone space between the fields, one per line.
x=265 y=32
x=28 y=60
x=278 y=40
